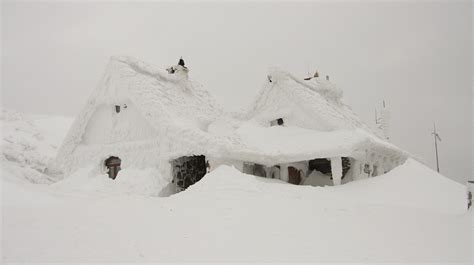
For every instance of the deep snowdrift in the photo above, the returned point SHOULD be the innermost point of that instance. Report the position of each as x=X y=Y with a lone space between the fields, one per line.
x=410 y=214
x=230 y=216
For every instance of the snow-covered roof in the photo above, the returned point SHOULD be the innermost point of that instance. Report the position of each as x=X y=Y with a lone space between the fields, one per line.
x=313 y=104
x=317 y=123
x=163 y=99
x=267 y=145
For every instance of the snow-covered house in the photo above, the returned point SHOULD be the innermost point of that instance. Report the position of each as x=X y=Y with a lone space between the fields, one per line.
x=300 y=131
x=297 y=130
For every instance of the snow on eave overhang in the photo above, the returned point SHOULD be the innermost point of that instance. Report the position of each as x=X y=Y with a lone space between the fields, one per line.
x=276 y=145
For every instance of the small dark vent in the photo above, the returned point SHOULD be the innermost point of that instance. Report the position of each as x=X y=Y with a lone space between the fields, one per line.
x=279 y=122
x=117 y=108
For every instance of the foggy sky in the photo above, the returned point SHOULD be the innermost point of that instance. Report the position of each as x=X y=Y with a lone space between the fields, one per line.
x=416 y=56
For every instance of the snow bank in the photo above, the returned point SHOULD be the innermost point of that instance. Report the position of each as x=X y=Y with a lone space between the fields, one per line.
x=129 y=181
x=411 y=185
x=29 y=144
x=230 y=216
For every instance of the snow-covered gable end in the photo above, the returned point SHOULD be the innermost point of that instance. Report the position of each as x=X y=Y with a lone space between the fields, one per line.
x=133 y=112
x=144 y=117
x=312 y=104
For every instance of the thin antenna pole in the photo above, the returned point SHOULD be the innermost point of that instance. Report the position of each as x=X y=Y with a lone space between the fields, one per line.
x=376 y=118
x=435 y=134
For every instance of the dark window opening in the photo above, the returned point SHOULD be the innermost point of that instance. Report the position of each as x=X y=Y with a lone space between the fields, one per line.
x=346 y=166
x=294 y=175
x=117 y=108
x=113 y=166
x=278 y=121
x=254 y=169
x=188 y=170
x=323 y=165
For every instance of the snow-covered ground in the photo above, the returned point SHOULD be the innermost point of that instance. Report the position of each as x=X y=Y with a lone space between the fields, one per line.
x=411 y=214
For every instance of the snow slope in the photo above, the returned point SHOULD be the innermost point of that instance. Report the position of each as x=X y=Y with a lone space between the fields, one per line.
x=29 y=143
x=411 y=214
x=230 y=216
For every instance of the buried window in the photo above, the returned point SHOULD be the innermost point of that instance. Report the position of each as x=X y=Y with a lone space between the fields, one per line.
x=323 y=165
x=188 y=170
x=254 y=169
x=294 y=175
x=276 y=122
x=113 y=166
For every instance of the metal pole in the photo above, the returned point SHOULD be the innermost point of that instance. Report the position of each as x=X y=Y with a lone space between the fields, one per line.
x=436 y=146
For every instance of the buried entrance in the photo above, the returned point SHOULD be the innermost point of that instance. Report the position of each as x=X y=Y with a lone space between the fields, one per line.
x=188 y=170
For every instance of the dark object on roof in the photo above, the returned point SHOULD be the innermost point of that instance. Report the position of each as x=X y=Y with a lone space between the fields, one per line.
x=316 y=74
x=181 y=62
x=171 y=70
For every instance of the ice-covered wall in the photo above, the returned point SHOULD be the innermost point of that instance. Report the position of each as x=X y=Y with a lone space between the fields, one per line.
x=166 y=113
x=106 y=125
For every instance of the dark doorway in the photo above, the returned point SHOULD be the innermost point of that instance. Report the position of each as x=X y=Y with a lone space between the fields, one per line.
x=294 y=176
x=113 y=165
x=188 y=170
x=322 y=165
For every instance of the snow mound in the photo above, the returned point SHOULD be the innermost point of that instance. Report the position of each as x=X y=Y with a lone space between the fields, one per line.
x=230 y=216
x=29 y=143
x=411 y=185
x=130 y=181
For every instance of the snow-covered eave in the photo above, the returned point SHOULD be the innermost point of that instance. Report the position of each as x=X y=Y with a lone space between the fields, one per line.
x=357 y=149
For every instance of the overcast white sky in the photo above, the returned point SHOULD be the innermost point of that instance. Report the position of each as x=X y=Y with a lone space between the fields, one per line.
x=415 y=55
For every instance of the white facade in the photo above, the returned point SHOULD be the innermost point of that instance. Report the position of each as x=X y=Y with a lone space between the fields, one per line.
x=148 y=117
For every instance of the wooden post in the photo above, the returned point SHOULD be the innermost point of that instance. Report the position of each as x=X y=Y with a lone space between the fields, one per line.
x=336 y=170
x=284 y=172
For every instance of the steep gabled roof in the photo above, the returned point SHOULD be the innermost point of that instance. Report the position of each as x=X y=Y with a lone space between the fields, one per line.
x=313 y=104
x=178 y=111
x=163 y=99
